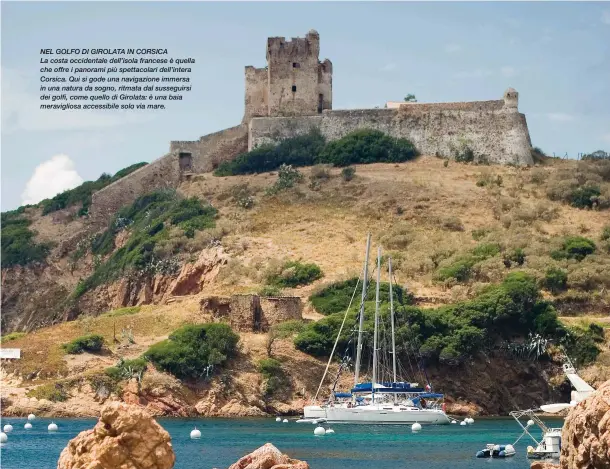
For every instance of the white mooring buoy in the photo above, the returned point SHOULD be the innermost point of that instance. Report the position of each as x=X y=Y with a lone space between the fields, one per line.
x=463 y=423
x=3 y=437
x=285 y=421
x=31 y=417
x=416 y=427
x=52 y=427
x=469 y=420
x=278 y=419
x=28 y=426
x=454 y=421
x=319 y=431
x=195 y=434
x=8 y=428
x=329 y=431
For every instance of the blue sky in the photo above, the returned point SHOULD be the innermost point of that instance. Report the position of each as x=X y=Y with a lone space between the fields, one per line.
x=557 y=55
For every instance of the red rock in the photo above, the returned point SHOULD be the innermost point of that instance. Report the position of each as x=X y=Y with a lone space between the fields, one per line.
x=268 y=457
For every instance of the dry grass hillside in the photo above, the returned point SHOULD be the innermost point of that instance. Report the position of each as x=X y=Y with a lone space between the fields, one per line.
x=427 y=214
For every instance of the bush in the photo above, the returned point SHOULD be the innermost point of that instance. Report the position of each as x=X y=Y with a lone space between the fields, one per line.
x=18 y=245
x=479 y=234
x=87 y=343
x=461 y=268
x=581 y=345
x=367 y=146
x=270 y=290
x=348 y=173
x=584 y=197
x=575 y=247
x=516 y=256
x=514 y=307
x=538 y=155
x=296 y=151
x=194 y=351
x=605 y=233
x=127 y=369
x=286 y=329
x=11 y=336
x=555 y=280
x=271 y=369
x=452 y=224
x=294 y=274
x=335 y=298
x=287 y=178
x=54 y=392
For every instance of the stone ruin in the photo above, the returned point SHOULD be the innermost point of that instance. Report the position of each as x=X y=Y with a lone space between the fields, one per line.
x=252 y=313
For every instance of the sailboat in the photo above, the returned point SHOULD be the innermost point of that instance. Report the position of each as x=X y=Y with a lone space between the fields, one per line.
x=377 y=401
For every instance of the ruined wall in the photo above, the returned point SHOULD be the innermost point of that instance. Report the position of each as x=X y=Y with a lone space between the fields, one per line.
x=252 y=313
x=256 y=101
x=494 y=129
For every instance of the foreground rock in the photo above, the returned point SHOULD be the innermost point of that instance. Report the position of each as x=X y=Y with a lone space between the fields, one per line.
x=543 y=465
x=126 y=437
x=268 y=457
x=585 y=439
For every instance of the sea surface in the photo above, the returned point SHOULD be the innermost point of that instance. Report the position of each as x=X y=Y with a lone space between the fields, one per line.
x=224 y=441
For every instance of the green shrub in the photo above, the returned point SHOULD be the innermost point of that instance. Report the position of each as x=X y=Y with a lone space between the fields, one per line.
x=516 y=256
x=514 y=307
x=538 y=155
x=271 y=369
x=287 y=177
x=294 y=274
x=555 y=280
x=464 y=155
x=11 y=336
x=605 y=233
x=574 y=247
x=581 y=345
x=486 y=250
x=286 y=329
x=367 y=146
x=18 y=245
x=348 y=173
x=479 y=234
x=301 y=150
x=194 y=351
x=123 y=311
x=127 y=369
x=82 y=194
x=335 y=297
x=54 y=392
x=584 y=197
x=87 y=343
x=460 y=269
x=270 y=290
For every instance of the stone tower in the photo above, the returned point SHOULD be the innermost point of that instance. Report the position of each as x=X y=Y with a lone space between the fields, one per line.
x=294 y=83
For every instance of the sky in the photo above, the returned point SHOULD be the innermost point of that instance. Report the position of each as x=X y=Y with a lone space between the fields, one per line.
x=556 y=55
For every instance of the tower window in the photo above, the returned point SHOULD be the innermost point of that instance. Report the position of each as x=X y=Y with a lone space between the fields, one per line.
x=296 y=65
x=294 y=88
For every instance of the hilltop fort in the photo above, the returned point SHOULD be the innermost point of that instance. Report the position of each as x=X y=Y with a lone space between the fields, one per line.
x=293 y=94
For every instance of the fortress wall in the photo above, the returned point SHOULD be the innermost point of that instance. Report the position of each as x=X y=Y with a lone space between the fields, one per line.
x=207 y=153
x=212 y=149
x=280 y=309
x=490 y=129
x=159 y=174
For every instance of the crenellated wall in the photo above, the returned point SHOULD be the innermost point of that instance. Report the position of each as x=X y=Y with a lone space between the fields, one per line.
x=491 y=129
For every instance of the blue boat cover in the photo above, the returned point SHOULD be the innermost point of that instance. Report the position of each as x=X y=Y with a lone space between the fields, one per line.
x=387 y=388
x=343 y=394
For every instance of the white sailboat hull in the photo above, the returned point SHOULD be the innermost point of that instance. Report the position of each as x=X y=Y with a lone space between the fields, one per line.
x=377 y=414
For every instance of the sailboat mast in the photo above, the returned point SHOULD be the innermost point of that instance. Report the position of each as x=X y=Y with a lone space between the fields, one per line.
x=392 y=319
x=360 y=325
x=376 y=333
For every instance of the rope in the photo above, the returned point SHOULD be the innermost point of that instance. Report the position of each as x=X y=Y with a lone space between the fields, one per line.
x=337 y=340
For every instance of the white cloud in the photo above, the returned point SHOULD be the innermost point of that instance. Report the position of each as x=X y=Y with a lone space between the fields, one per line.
x=478 y=73
x=606 y=16
x=451 y=48
x=560 y=116
x=388 y=67
x=51 y=178
x=21 y=110
x=508 y=71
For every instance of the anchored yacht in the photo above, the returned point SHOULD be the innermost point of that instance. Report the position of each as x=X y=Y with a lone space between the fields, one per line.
x=377 y=401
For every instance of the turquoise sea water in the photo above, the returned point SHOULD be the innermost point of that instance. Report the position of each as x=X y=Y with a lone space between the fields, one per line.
x=224 y=441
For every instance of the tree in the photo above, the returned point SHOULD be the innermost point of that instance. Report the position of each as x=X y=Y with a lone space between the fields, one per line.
x=410 y=98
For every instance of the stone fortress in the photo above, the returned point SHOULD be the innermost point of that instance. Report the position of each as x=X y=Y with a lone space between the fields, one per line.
x=293 y=94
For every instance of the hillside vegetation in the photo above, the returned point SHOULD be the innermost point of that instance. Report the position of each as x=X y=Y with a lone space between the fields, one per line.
x=492 y=263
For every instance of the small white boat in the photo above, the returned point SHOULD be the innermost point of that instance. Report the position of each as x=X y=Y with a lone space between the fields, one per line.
x=497 y=451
